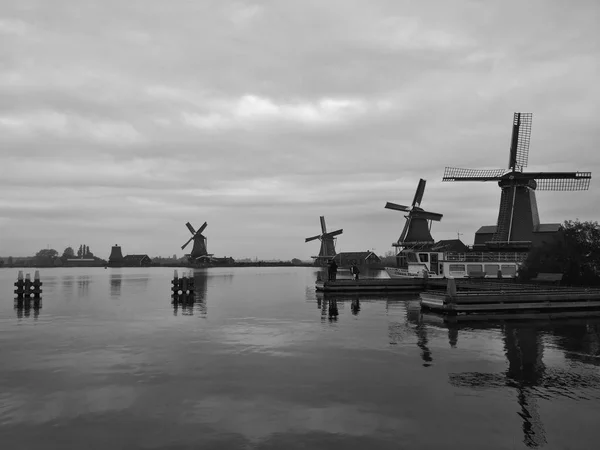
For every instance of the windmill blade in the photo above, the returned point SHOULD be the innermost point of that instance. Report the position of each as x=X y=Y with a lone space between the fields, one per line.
x=191 y=228
x=419 y=193
x=396 y=207
x=458 y=174
x=185 y=245
x=426 y=215
x=204 y=225
x=312 y=238
x=579 y=181
x=519 y=142
x=323 y=228
x=334 y=233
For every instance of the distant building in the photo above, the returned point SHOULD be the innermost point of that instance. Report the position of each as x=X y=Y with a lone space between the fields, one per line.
x=84 y=262
x=116 y=256
x=137 y=261
x=347 y=259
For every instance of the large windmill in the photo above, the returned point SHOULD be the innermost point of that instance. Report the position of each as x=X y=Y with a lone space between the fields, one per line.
x=518 y=219
x=417 y=228
x=199 y=248
x=327 y=239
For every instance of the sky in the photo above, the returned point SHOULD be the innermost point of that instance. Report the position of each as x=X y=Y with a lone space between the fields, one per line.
x=120 y=121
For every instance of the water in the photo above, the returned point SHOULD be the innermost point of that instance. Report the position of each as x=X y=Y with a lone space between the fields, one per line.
x=106 y=361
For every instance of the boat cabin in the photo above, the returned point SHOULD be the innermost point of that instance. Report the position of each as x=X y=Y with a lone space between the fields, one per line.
x=459 y=265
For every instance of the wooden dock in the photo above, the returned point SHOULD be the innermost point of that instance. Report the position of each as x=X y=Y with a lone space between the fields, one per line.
x=371 y=285
x=510 y=298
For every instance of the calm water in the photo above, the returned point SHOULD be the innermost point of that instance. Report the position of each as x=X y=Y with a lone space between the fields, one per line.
x=107 y=362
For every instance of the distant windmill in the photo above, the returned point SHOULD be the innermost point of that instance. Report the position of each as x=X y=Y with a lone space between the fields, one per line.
x=518 y=215
x=199 y=248
x=418 y=221
x=327 y=239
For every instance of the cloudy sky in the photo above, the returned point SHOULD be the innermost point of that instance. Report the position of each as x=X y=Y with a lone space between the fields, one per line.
x=122 y=120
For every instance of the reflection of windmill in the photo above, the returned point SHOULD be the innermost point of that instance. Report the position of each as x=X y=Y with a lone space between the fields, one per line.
x=199 y=248
x=524 y=350
x=327 y=239
x=418 y=221
x=518 y=217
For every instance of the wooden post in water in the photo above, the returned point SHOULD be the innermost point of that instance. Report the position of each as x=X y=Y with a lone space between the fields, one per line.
x=37 y=285
x=20 y=285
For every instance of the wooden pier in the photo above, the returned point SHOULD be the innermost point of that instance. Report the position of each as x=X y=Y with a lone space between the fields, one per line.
x=510 y=298
x=371 y=285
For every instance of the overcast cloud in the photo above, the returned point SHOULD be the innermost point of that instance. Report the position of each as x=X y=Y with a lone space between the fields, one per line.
x=122 y=120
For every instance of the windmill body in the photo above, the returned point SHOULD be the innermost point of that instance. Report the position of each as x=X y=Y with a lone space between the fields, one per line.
x=199 y=249
x=327 y=250
x=518 y=226
x=417 y=228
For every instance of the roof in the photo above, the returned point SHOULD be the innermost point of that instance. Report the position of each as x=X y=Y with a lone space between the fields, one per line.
x=135 y=257
x=451 y=245
x=487 y=229
x=355 y=255
x=547 y=228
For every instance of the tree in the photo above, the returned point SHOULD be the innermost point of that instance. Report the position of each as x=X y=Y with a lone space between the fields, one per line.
x=1 y=263
x=296 y=261
x=47 y=253
x=576 y=255
x=45 y=257
x=9 y=261
x=68 y=253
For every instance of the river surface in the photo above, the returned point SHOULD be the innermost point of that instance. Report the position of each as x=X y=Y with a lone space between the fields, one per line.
x=254 y=361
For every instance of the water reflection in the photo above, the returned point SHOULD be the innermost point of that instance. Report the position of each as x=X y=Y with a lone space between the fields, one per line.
x=83 y=285
x=115 y=284
x=186 y=304
x=23 y=307
x=526 y=372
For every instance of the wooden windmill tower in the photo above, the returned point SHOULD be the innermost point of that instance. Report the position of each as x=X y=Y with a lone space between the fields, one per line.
x=417 y=229
x=199 y=248
x=518 y=226
x=327 y=239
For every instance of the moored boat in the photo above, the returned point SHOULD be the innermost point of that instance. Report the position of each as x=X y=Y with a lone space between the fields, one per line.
x=429 y=263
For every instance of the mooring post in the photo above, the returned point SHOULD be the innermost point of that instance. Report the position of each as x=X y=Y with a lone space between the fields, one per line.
x=37 y=285
x=175 y=282
x=451 y=289
x=28 y=286
x=184 y=287
x=20 y=285
x=191 y=282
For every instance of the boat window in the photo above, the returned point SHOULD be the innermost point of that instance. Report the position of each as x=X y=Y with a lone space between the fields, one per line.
x=457 y=268
x=508 y=270
x=424 y=257
x=411 y=257
x=492 y=269
x=473 y=268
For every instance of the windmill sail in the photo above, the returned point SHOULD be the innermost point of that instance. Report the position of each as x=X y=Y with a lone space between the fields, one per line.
x=518 y=217
x=416 y=229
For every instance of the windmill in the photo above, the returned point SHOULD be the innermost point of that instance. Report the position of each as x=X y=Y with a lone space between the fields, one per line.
x=199 y=248
x=518 y=218
x=418 y=221
x=327 y=239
